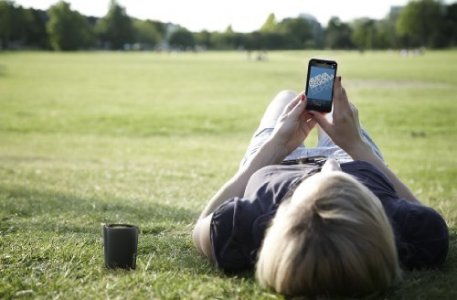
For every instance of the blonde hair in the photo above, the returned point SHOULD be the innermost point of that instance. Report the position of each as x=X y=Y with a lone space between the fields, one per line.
x=335 y=240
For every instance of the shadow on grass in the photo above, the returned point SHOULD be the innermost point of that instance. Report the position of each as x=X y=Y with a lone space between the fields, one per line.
x=165 y=231
x=165 y=242
x=33 y=203
x=29 y=210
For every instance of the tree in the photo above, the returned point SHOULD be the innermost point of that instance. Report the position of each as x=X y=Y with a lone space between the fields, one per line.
x=36 y=34
x=386 y=28
x=384 y=37
x=298 y=32
x=6 y=15
x=160 y=27
x=338 y=35
x=227 y=39
x=451 y=24
x=316 y=31
x=182 y=39
x=275 y=41
x=116 y=28
x=146 y=34
x=67 y=29
x=19 y=22
x=364 y=33
x=270 y=24
x=14 y=23
x=20 y=27
x=253 y=41
x=421 y=23
x=204 y=39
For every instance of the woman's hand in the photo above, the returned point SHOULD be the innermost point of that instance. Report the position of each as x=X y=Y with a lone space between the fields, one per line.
x=345 y=129
x=345 y=132
x=294 y=124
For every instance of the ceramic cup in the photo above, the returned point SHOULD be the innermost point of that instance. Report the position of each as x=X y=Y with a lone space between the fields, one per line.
x=120 y=243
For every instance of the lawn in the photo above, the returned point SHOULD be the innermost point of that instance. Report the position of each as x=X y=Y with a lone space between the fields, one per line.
x=147 y=138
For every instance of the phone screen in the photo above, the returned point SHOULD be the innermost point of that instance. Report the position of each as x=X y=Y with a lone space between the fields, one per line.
x=319 y=88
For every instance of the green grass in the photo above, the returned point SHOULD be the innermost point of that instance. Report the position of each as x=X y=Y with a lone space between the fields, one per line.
x=147 y=138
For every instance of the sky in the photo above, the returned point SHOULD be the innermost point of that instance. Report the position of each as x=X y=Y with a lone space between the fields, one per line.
x=242 y=15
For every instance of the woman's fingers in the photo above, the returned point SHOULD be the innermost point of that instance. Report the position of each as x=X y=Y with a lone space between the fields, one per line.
x=299 y=107
x=340 y=98
x=321 y=120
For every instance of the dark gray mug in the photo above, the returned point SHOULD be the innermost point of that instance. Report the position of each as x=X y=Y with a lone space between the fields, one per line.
x=120 y=243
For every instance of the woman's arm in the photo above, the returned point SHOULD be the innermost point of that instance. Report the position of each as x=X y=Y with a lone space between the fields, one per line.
x=292 y=128
x=365 y=153
x=269 y=153
x=346 y=133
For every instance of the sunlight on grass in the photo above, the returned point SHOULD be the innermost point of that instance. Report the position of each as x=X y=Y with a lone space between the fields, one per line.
x=147 y=138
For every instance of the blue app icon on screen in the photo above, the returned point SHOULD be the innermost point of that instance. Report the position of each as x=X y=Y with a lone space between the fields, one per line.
x=321 y=83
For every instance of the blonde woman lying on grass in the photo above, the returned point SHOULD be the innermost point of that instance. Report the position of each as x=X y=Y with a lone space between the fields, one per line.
x=329 y=220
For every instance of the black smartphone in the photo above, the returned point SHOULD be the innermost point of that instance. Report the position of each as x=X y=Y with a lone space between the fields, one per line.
x=319 y=84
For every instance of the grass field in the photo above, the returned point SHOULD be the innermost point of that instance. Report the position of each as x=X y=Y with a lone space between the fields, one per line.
x=147 y=138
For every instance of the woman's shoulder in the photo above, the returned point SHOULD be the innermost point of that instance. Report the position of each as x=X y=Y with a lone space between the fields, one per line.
x=422 y=235
x=372 y=178
x=234 y=243
x=363 y=169
x=359 y=165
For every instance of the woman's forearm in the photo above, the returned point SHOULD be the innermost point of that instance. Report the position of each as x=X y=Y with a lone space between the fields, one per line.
x=270 y=153
x=291 y=129
x=365 y=153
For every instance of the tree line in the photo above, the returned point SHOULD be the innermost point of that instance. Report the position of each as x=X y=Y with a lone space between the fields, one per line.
x=421 y=23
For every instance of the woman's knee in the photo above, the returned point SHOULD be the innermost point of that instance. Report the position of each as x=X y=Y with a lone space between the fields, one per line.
x=276 y=107
x=286 y=95
x=282 y=99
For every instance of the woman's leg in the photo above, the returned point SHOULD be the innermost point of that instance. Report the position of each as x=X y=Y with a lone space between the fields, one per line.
x=275 y=109
x=268 y=123
x=325 y=147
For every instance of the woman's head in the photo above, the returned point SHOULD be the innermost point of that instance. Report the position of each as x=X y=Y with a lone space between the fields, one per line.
x=332 y=237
